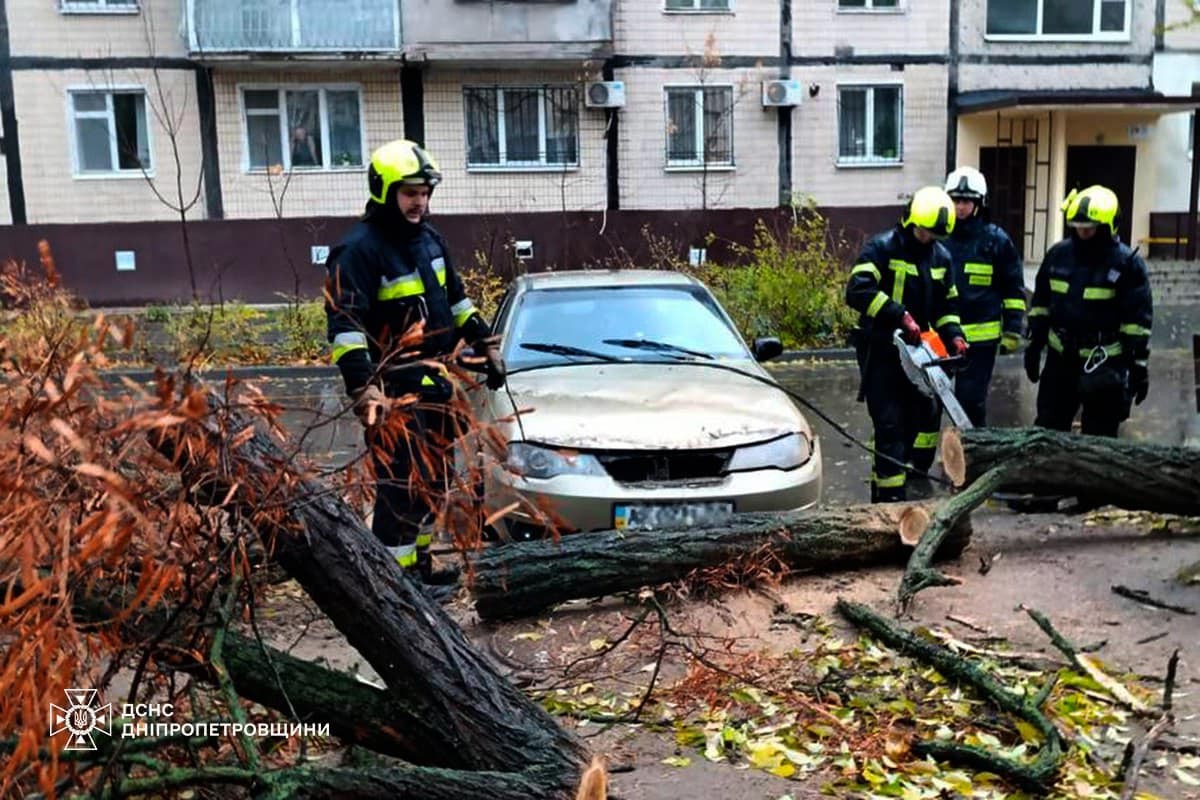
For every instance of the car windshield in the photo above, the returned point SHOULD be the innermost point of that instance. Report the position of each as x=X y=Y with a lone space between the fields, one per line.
x=683 y=320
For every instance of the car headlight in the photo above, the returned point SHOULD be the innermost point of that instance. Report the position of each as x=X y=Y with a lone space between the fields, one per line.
x=534 y=461
x=786 y=452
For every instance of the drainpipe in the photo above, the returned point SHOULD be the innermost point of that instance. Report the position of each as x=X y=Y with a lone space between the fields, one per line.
x=952 y=89
x=612 y=146
x=412 y=101
x=1190 y=252
x=1160 y=25
x=210 y=165
x=8 y=118
x=784 y=131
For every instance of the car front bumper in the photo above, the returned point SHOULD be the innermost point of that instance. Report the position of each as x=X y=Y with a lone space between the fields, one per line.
x=588 y=503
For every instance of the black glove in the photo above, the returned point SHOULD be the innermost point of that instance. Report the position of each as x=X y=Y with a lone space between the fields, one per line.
x=496 y=373
x=1139 y=382
x=1033 y=362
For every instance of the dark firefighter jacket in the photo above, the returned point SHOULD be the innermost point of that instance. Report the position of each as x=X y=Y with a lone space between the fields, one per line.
x=1092 y=293
x=990 y=280
x=383 y=278
x=894 y=274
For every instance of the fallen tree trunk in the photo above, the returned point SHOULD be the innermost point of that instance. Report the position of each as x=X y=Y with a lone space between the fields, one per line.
x=464 y=711
x=520 y=579
x=1134 y=475
x=1119 y=472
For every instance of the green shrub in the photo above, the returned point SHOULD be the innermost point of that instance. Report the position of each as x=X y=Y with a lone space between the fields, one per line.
x=787 y=283
x=302 y=325
x=229 y=333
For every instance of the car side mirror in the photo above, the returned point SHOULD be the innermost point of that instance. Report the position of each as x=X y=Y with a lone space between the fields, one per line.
x=766 y=348
x=471 y=362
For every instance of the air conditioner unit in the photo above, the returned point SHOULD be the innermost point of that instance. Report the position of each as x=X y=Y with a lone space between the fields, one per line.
x=783 y=92
x=605 y=94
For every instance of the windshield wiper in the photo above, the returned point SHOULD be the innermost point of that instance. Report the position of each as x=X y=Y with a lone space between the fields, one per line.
x=659 y=347
x=567 y=350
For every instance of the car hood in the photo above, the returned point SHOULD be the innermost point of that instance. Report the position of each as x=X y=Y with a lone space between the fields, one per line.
x=646 y=406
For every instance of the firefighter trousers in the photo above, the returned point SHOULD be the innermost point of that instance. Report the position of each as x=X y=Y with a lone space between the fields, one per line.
x=906 y=422
x=411 y=480
x=1105 y=398
x=972 y=381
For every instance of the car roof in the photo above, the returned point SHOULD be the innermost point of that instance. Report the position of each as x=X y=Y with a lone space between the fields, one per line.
x=603 y=278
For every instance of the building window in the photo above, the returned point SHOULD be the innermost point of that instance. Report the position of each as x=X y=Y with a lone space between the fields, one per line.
x=700 y=126
x=522 y=127
x=305 y=128
x=110 y=132
x=870 y=125
x=98 y=6
x=868 y=5
x=1059 y=19
x=698 y=5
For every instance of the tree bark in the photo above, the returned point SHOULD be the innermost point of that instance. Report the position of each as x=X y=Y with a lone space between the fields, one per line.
x=465 y=713
x=521 y=579
x=1120 y=472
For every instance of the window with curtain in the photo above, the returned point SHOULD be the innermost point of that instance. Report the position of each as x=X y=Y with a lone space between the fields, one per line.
x=699 y=126
x=870 y=124
x=303 y=128
x=1082 y=19
x=521 y=126
x=110 y=132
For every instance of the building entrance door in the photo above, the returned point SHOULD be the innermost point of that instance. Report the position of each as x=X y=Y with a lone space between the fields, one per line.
x=1108 y=165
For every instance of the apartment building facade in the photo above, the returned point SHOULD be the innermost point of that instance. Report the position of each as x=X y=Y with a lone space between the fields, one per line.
x=254 y=118
x=1061 y=94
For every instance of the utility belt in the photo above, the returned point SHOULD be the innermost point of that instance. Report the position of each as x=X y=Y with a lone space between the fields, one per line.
x=1100 y=368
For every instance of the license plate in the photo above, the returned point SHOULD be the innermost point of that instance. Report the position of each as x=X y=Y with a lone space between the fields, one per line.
x=675 y=515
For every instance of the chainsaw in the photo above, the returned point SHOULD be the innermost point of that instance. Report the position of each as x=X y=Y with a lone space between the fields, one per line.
x=923 y=365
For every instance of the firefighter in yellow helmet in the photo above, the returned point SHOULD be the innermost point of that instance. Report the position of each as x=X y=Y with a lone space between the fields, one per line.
x=1091 y=313
x=903 y=280
x=390 y=273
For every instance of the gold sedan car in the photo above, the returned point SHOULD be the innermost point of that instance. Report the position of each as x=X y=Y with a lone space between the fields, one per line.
x=633 y=403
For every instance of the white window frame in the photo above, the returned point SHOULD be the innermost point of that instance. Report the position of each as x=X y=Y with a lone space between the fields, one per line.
x=281 y=90
x=870 y=8
x=1095 y=36
x=72 y=137
x=697 y=9
x=698 y=165
x=504 y=165
x=869 y=161
x=98 y=7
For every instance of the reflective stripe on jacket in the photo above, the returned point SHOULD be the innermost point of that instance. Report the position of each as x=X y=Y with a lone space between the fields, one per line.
x=990 y=280
x=893 y=274
x=381 y=281
x=1094 y=294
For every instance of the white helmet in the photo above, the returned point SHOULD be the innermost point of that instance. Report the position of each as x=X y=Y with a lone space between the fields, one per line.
x=967 y=183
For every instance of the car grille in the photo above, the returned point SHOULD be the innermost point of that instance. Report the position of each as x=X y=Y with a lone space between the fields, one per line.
x=666 y=465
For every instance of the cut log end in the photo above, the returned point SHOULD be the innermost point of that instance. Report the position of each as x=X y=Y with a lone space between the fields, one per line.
x=913 y=522
x=593 y=784
x=954 y=460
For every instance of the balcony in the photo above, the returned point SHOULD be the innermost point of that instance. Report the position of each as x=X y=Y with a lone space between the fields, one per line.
x=505 y=31
x=288 y=27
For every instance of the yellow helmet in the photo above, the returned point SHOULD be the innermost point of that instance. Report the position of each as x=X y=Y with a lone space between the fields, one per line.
x=1095 y=205
x=400 y=162
x=932 y=209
